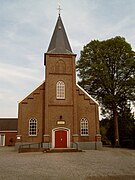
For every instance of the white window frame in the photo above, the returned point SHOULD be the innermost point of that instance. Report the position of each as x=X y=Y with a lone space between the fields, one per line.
x=84 y=127
x=60 y=90
x=32 y=127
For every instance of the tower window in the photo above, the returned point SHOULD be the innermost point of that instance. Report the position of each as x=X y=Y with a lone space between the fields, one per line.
x=84 y=127
x=60 y=90
x=32 y=127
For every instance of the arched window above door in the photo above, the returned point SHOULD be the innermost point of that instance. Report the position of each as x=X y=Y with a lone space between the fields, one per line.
x=60 y=90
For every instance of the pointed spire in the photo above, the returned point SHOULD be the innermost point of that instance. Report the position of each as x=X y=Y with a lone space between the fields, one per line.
x=59 y=43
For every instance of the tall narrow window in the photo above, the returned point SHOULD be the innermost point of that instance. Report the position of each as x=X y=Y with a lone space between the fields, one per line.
x=84 y=127
x=60 y=90
x=32 y=127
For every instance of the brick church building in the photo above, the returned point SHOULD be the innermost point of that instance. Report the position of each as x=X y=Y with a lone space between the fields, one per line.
x=59 y=113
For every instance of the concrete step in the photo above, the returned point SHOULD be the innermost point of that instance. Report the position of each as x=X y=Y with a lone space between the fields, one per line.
x=46 y=150
x=61 y=150
x=25 y=150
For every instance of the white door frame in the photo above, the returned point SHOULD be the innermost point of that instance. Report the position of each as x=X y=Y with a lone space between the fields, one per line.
x=2 y=141
x=58 y=129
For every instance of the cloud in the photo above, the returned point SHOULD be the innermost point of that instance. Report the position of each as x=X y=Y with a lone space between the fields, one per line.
x=27 y=26
x=14 y=72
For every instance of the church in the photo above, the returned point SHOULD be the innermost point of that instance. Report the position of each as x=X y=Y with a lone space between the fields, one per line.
x=59 y=113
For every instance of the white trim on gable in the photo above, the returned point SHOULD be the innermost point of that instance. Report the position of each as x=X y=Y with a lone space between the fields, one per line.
x=87 y=94
x=31 y=92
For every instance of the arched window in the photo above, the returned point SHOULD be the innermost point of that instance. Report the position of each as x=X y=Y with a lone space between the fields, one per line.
x=84 y=127
x=32 y=127
x=60 y=90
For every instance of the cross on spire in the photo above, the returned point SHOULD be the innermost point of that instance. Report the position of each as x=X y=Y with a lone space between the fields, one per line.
x=59 y=9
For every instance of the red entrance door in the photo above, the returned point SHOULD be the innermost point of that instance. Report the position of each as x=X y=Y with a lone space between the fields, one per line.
x=61 y=139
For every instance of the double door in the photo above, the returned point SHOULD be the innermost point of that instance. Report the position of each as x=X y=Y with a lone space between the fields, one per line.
x=61 y=139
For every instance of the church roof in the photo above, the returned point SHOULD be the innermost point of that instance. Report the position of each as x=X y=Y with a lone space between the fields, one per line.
x=59 y=43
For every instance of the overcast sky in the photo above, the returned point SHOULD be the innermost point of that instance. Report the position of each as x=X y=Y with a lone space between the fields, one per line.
x=26 y=27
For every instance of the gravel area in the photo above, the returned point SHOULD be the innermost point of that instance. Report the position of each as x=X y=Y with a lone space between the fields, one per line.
x=106 y=164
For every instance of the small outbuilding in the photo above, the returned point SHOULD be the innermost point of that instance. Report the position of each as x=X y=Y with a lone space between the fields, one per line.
x=8 y=131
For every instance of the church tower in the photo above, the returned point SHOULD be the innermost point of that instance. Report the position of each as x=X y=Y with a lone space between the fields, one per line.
x=60 y=88
x=59 y=113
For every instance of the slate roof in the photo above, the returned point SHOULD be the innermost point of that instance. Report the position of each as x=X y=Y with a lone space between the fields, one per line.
x=8 y=124
x=59 y=43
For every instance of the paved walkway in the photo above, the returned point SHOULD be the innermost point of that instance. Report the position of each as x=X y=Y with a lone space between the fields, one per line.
x=106 y=164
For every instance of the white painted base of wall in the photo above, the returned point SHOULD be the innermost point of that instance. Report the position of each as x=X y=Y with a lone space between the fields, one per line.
x=81 y=145
x=90 y=145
